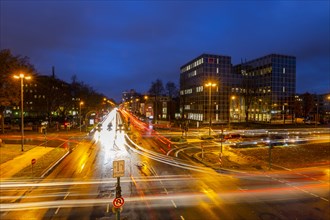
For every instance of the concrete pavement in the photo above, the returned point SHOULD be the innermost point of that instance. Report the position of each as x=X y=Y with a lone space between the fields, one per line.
x=11 y=167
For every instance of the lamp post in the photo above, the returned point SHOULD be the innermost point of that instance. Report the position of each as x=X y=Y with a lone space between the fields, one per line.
x=284 y=113
x=260 y=112
x=80 y=104
x=317 y=110
x=210 y=85
x=232 y=98
x=22 y=77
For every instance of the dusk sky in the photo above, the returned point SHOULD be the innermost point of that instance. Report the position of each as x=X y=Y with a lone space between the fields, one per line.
x=115 y=46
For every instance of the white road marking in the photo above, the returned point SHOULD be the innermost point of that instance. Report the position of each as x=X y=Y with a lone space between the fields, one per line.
x=173 y=204
x=58 y=208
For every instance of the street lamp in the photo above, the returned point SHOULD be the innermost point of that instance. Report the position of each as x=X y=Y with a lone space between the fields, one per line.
x=210 y=85
x=80 y=104
x=22 y=77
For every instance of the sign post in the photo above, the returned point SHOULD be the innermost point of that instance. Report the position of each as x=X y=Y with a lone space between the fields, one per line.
x=33 y=161
x=202 y=150
x=118 y=171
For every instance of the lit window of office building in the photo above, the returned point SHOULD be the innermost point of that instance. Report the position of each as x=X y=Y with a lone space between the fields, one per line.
x=258 y=90
x=200 y=102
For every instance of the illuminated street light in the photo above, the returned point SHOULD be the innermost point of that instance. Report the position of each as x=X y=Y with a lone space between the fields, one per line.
x=210 y=85
x=22 y=77
x=80 y=104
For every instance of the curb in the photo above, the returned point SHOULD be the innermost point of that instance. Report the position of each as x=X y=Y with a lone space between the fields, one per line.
x=55 y=164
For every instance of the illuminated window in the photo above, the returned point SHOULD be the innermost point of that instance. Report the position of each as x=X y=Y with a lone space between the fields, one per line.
x=188 y=91
x=199 y=89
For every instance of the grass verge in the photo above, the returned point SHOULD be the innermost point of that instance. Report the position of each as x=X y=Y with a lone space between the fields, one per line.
x=43 y=163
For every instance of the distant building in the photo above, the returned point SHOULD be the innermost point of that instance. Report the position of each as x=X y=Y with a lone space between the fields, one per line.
x=132 y=100
x=148 y=106
x=325 y=108
x=258 y=90
x=41 y=98
x=130 y=95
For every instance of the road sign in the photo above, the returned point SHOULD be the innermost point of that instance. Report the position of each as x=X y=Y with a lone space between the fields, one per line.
x=33 y=161
x=118 y=202
x=118 y=168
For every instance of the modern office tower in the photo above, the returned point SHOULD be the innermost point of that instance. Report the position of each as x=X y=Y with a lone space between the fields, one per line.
x=268 y=88
x=259 y=90
x=205 y=83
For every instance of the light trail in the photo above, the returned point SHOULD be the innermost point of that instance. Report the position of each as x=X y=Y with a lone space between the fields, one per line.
x=183 y=199
x=167 y=160
x=5 y=185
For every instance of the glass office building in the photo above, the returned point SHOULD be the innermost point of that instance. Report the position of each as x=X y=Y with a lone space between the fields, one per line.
x=258 y=90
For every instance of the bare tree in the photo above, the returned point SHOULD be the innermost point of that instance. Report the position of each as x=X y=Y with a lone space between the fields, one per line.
x=156 y=89
x=171 y=89
x=9 y=88
x=308 y=104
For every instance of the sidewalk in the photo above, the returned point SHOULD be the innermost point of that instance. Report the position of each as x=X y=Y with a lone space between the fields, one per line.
x=11 y=167
x=44 y=156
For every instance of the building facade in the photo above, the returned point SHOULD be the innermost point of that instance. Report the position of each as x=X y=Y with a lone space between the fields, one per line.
x=258 y=90
x=202 y=103
x=268 y=88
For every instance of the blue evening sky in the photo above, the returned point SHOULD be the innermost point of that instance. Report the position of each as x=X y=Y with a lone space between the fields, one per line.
x=120 y=45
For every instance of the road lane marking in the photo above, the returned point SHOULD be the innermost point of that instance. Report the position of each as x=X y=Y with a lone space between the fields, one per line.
x=173 y=203
x=324 y=199
x=298 y=188
x=58 y=208
x=66 y=195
